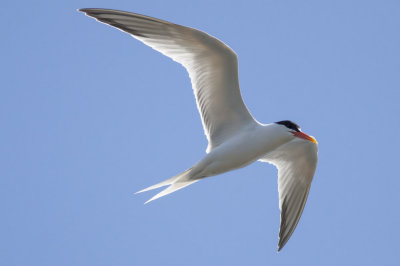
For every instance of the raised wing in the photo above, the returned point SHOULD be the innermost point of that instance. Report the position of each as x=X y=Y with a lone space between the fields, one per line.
x=212 y=67
x=296 y=162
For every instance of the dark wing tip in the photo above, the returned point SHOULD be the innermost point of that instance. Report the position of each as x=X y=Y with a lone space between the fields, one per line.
x=97 y=12
x=93 y=11
x=101 y=15
x=282 y=242
x=283 y=225
x=90 y=9
x=86 y=10
x=287 y=229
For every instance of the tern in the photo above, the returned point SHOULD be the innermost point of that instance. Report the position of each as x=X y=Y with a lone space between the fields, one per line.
x=235 y=138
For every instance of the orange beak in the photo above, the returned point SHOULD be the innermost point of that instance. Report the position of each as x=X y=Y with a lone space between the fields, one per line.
x=304 y=136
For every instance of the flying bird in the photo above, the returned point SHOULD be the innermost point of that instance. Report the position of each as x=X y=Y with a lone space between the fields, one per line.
x=235 y=138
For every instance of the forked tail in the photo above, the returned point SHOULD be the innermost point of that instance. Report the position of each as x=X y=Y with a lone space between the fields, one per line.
x=175 y=183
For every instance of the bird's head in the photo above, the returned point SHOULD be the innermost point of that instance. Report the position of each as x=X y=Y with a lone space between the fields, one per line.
x=295 y=130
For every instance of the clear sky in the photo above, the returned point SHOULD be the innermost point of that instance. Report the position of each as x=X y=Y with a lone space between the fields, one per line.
x=90 y=115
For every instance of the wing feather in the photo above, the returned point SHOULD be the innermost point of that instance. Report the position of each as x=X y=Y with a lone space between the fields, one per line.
x=212 y=67
x=296 y=162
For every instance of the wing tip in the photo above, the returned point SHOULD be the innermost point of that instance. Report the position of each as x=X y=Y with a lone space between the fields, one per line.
x=84 y=10
x=282 y=242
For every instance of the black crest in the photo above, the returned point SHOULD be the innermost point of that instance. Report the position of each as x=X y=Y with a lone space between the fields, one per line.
x=289 y=124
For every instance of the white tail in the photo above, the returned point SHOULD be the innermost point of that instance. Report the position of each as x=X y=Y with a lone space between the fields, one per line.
x=175 y=183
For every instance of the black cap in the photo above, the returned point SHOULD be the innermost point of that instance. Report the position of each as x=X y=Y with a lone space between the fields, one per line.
x=289 y=124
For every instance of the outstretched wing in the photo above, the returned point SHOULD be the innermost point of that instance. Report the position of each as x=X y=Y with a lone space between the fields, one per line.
x=212 y=67
x=296 y=162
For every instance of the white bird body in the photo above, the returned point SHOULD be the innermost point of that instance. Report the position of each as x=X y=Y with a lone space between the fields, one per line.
x=235 y=138
x=253 y=142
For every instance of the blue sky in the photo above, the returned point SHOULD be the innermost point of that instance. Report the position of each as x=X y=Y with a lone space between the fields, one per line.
x=89 y=116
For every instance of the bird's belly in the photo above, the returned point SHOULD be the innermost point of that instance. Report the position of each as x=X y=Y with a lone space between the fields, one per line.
x=233 y=155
